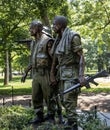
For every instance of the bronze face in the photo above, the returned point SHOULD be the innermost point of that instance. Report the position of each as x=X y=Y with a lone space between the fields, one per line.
x=33 y=30
x=56 y=26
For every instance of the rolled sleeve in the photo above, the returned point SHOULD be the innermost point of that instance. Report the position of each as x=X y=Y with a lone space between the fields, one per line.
x=76 y=43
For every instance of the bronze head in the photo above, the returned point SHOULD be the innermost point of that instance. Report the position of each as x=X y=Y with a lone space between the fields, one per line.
x=59 y=23
x=36 y=26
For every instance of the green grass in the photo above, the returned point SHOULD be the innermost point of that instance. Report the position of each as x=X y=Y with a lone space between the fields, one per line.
x=16 y=85
x=96 y=90
x=102 y=87
x=25 y=88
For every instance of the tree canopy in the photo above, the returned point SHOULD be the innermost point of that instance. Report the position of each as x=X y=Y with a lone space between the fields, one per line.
x=90 y=18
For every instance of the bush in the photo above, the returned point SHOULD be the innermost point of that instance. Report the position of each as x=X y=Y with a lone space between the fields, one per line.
x=15 y=117
x=18 y=117
x=88 y=120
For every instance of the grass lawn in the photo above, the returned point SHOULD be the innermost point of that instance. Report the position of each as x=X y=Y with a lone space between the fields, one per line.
x=25 y=88
x=16 y=86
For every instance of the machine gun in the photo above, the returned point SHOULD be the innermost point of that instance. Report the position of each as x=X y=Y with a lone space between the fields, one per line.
x=88 y=80
x=27 y=41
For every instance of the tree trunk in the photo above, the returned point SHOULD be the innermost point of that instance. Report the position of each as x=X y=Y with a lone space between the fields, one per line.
x=6 y=73
x=44 y=17
x=10 y=68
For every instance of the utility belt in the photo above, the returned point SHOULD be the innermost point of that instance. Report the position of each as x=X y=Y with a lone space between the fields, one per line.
x=42 y=71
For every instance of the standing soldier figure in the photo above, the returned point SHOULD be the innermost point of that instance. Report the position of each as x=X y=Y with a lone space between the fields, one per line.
x=67 y=49
x=40 y=64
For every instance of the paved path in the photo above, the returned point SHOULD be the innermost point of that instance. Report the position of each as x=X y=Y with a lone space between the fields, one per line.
x=101 y=100
x=105 y=118
x=88 y=101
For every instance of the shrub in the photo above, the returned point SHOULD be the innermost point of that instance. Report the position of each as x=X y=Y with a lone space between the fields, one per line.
x=15 y=117
x=18 y=117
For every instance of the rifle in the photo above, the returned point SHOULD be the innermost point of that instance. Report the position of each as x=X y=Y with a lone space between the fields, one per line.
x=28 y=41
x=103 y=73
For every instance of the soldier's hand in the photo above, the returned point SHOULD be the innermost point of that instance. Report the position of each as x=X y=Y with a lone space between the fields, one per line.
x=53 y=84
x=82 y=80
x=53 y=81
x=23 y=78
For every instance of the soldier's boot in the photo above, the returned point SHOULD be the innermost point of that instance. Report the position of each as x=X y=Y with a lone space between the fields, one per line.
x=66 y=126
x=38 y=119
x=60 y=117
x=74 y=125
x=61 y=120
x=50 y=118
x=71 y=126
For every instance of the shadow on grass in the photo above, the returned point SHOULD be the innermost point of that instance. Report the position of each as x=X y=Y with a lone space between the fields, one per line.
x=14 y=79
x=1 y=80
x=15 y=91
x=18 y=78
x=96 y=90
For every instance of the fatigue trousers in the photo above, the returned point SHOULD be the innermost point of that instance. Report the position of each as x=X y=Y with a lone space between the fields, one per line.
x=70 y=101
x=55 y=101
x=40 y=90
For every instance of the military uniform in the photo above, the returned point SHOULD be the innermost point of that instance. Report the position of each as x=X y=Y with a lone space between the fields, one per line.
x=41 y=63
x=65 y=49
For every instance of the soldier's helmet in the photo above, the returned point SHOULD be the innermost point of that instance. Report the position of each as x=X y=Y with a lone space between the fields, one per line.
x=38 y=24
x=47 y=31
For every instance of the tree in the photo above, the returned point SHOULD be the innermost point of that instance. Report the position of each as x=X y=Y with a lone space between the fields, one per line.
x=92 y=20
x=12 y=14
x=16 y=15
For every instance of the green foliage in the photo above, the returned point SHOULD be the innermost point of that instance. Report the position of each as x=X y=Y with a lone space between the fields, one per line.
x=95 y=55
x=15 y=117
x=91 y=19
x=15 y=18
x=90 y=49
x=22 y=59
x=88 y=120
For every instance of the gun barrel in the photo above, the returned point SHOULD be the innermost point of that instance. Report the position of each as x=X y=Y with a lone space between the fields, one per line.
x=24 y=41
x=89 y=79
x=103 y=73
x=71 y=88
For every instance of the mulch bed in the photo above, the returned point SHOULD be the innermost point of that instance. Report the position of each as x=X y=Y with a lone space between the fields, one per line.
x=86 y=101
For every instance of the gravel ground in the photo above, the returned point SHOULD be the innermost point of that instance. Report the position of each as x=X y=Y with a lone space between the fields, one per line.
x=86 y=101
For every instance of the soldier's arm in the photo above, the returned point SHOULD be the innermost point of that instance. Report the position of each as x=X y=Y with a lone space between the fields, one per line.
x=30 y=63
x=25 y=73
x=79 y=50
x=53 y=71
x=49 y=46
x=28 y=69
x=53 y=65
